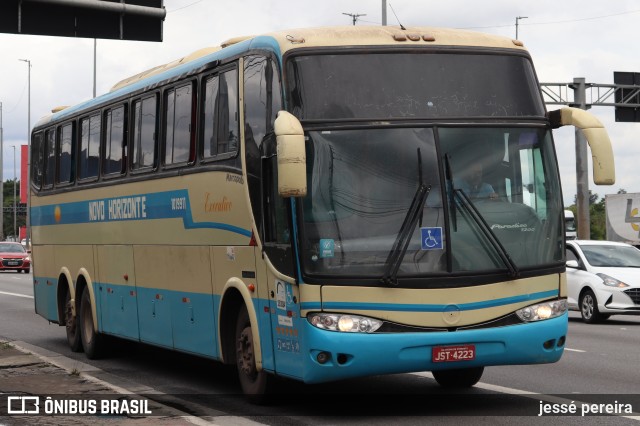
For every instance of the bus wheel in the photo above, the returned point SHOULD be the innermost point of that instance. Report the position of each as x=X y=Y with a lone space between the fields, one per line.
x=253 y=382
x=458 y=378
x=71 y=324
x=91 y=340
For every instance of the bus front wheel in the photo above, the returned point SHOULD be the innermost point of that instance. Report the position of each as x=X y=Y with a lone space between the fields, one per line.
x=71 y=324
x=91 y=339
x=254 y=383
x=458 y=378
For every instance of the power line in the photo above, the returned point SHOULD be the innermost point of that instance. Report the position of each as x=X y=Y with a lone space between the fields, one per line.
x=565 y=21
x=184 y=7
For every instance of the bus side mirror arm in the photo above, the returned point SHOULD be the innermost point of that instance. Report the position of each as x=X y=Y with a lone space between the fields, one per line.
x=604 y=172
x=292 y=159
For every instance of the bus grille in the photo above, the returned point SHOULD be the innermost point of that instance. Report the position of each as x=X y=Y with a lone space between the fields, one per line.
x=634 y=294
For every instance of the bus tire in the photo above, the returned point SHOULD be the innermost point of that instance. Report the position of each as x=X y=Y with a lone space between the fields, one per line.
x=71 y=324
x=459 y=377
x=254 y=383
x=91 y=339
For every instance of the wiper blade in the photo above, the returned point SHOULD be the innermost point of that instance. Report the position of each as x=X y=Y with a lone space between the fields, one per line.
x=450 y=193
x=404 y=236
x=488 y=233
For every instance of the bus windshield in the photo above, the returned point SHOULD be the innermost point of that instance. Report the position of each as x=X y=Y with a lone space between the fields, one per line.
x=412 y=85
x=494 y=195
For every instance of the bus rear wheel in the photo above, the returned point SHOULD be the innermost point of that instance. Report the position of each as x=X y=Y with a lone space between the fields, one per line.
x=254 y=383
x=458 y=378
x=92 y=341
x=71 y=324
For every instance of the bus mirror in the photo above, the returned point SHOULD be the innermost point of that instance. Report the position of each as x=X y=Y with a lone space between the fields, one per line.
x=292 y=162
x=604 y=172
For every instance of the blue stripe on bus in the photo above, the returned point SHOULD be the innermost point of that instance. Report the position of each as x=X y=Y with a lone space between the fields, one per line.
x=428 y=307
x=159 y=205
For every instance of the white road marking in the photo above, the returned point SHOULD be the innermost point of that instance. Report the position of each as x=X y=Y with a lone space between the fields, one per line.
x=574 y=350
x=16 y=294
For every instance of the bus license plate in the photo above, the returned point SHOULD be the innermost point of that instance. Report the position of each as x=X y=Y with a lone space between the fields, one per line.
x=453 y=353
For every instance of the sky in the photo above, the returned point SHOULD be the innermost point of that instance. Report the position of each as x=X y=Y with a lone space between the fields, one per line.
x=567 y=39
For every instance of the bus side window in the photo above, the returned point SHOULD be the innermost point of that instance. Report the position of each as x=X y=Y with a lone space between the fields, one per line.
x=89 y=147
x=178 y=133
x=221 y=127
x=114 y=141
x=49 y=157
x=144 y=133
x=65 y=154
x=36 y=160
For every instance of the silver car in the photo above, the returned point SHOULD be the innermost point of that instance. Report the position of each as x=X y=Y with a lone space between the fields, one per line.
x=603 y=278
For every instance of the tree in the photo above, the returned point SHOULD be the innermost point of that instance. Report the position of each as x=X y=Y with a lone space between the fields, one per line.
x=7 y=210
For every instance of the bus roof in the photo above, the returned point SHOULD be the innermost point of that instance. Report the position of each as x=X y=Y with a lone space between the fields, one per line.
x=284 y=41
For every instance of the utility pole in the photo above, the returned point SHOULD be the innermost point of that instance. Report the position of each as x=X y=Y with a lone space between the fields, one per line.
x=28 y=180
x=517 y=19
x=355 y=16
x=582 y=166
x=384 y=13
x=15 y=206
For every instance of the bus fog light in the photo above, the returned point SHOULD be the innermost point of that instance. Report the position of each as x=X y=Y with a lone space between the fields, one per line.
x=543 y=311
x=323 y=357
x=344 y=323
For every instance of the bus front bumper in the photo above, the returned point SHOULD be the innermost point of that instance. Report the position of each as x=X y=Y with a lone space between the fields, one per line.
x=335 y=355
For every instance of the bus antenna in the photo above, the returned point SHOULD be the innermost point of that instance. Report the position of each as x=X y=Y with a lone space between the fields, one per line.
x=394 y=14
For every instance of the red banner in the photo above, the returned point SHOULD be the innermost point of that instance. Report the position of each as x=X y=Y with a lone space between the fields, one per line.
x=24 y=170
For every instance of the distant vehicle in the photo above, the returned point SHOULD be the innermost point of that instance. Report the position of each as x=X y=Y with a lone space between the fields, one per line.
x=14 y=256
x=622 y=213
x=569 y=225
x=603 y=278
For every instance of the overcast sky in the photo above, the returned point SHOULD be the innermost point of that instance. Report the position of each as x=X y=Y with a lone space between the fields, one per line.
x=567 y=39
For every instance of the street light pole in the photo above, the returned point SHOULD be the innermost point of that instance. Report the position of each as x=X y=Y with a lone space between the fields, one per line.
x=28 y=183
x=517 y=19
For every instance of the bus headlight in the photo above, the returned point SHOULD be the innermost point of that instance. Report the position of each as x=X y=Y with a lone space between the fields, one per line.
x=543 y=311
x=344 y=322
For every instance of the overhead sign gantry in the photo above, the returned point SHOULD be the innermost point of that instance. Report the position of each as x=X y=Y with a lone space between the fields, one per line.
x=105 y=19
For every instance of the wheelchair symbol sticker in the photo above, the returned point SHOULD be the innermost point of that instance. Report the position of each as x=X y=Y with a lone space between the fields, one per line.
x=431 y=238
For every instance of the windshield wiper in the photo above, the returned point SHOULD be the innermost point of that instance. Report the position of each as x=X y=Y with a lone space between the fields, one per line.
x=399 y=248
x=450 y=194
x=488 y=233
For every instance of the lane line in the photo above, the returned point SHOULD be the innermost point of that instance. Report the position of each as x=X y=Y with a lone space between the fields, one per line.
x=16 y=294
x=574 y=350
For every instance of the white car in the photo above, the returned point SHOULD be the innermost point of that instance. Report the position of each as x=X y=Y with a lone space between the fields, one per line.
x=603 y=279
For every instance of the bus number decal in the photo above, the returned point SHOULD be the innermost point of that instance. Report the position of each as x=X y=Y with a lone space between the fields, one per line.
x=179 y=203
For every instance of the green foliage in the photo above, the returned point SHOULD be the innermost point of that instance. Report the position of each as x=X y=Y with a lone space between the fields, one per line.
x=597 y=215
x=7 y=211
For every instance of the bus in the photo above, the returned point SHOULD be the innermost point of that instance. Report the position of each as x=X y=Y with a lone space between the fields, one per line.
x=293 y=204
x=570 y=225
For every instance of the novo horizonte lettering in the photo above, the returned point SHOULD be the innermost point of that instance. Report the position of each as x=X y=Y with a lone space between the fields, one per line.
x=118 y=209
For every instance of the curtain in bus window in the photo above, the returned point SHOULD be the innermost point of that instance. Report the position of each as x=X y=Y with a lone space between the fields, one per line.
x=114 y=141
x=50 y=158
x=144 y=145
x=178 y=125
x=65 y=154
x=89 y=147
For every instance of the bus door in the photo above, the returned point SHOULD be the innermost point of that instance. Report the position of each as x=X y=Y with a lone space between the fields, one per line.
x=284 y=297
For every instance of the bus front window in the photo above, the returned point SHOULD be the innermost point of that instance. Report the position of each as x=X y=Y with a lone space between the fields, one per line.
x=492 y=206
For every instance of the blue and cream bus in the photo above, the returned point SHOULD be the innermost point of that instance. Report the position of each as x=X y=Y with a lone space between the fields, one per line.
x=304 y=204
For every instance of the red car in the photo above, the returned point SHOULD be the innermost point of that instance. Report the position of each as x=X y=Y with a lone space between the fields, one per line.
x=14 y=256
